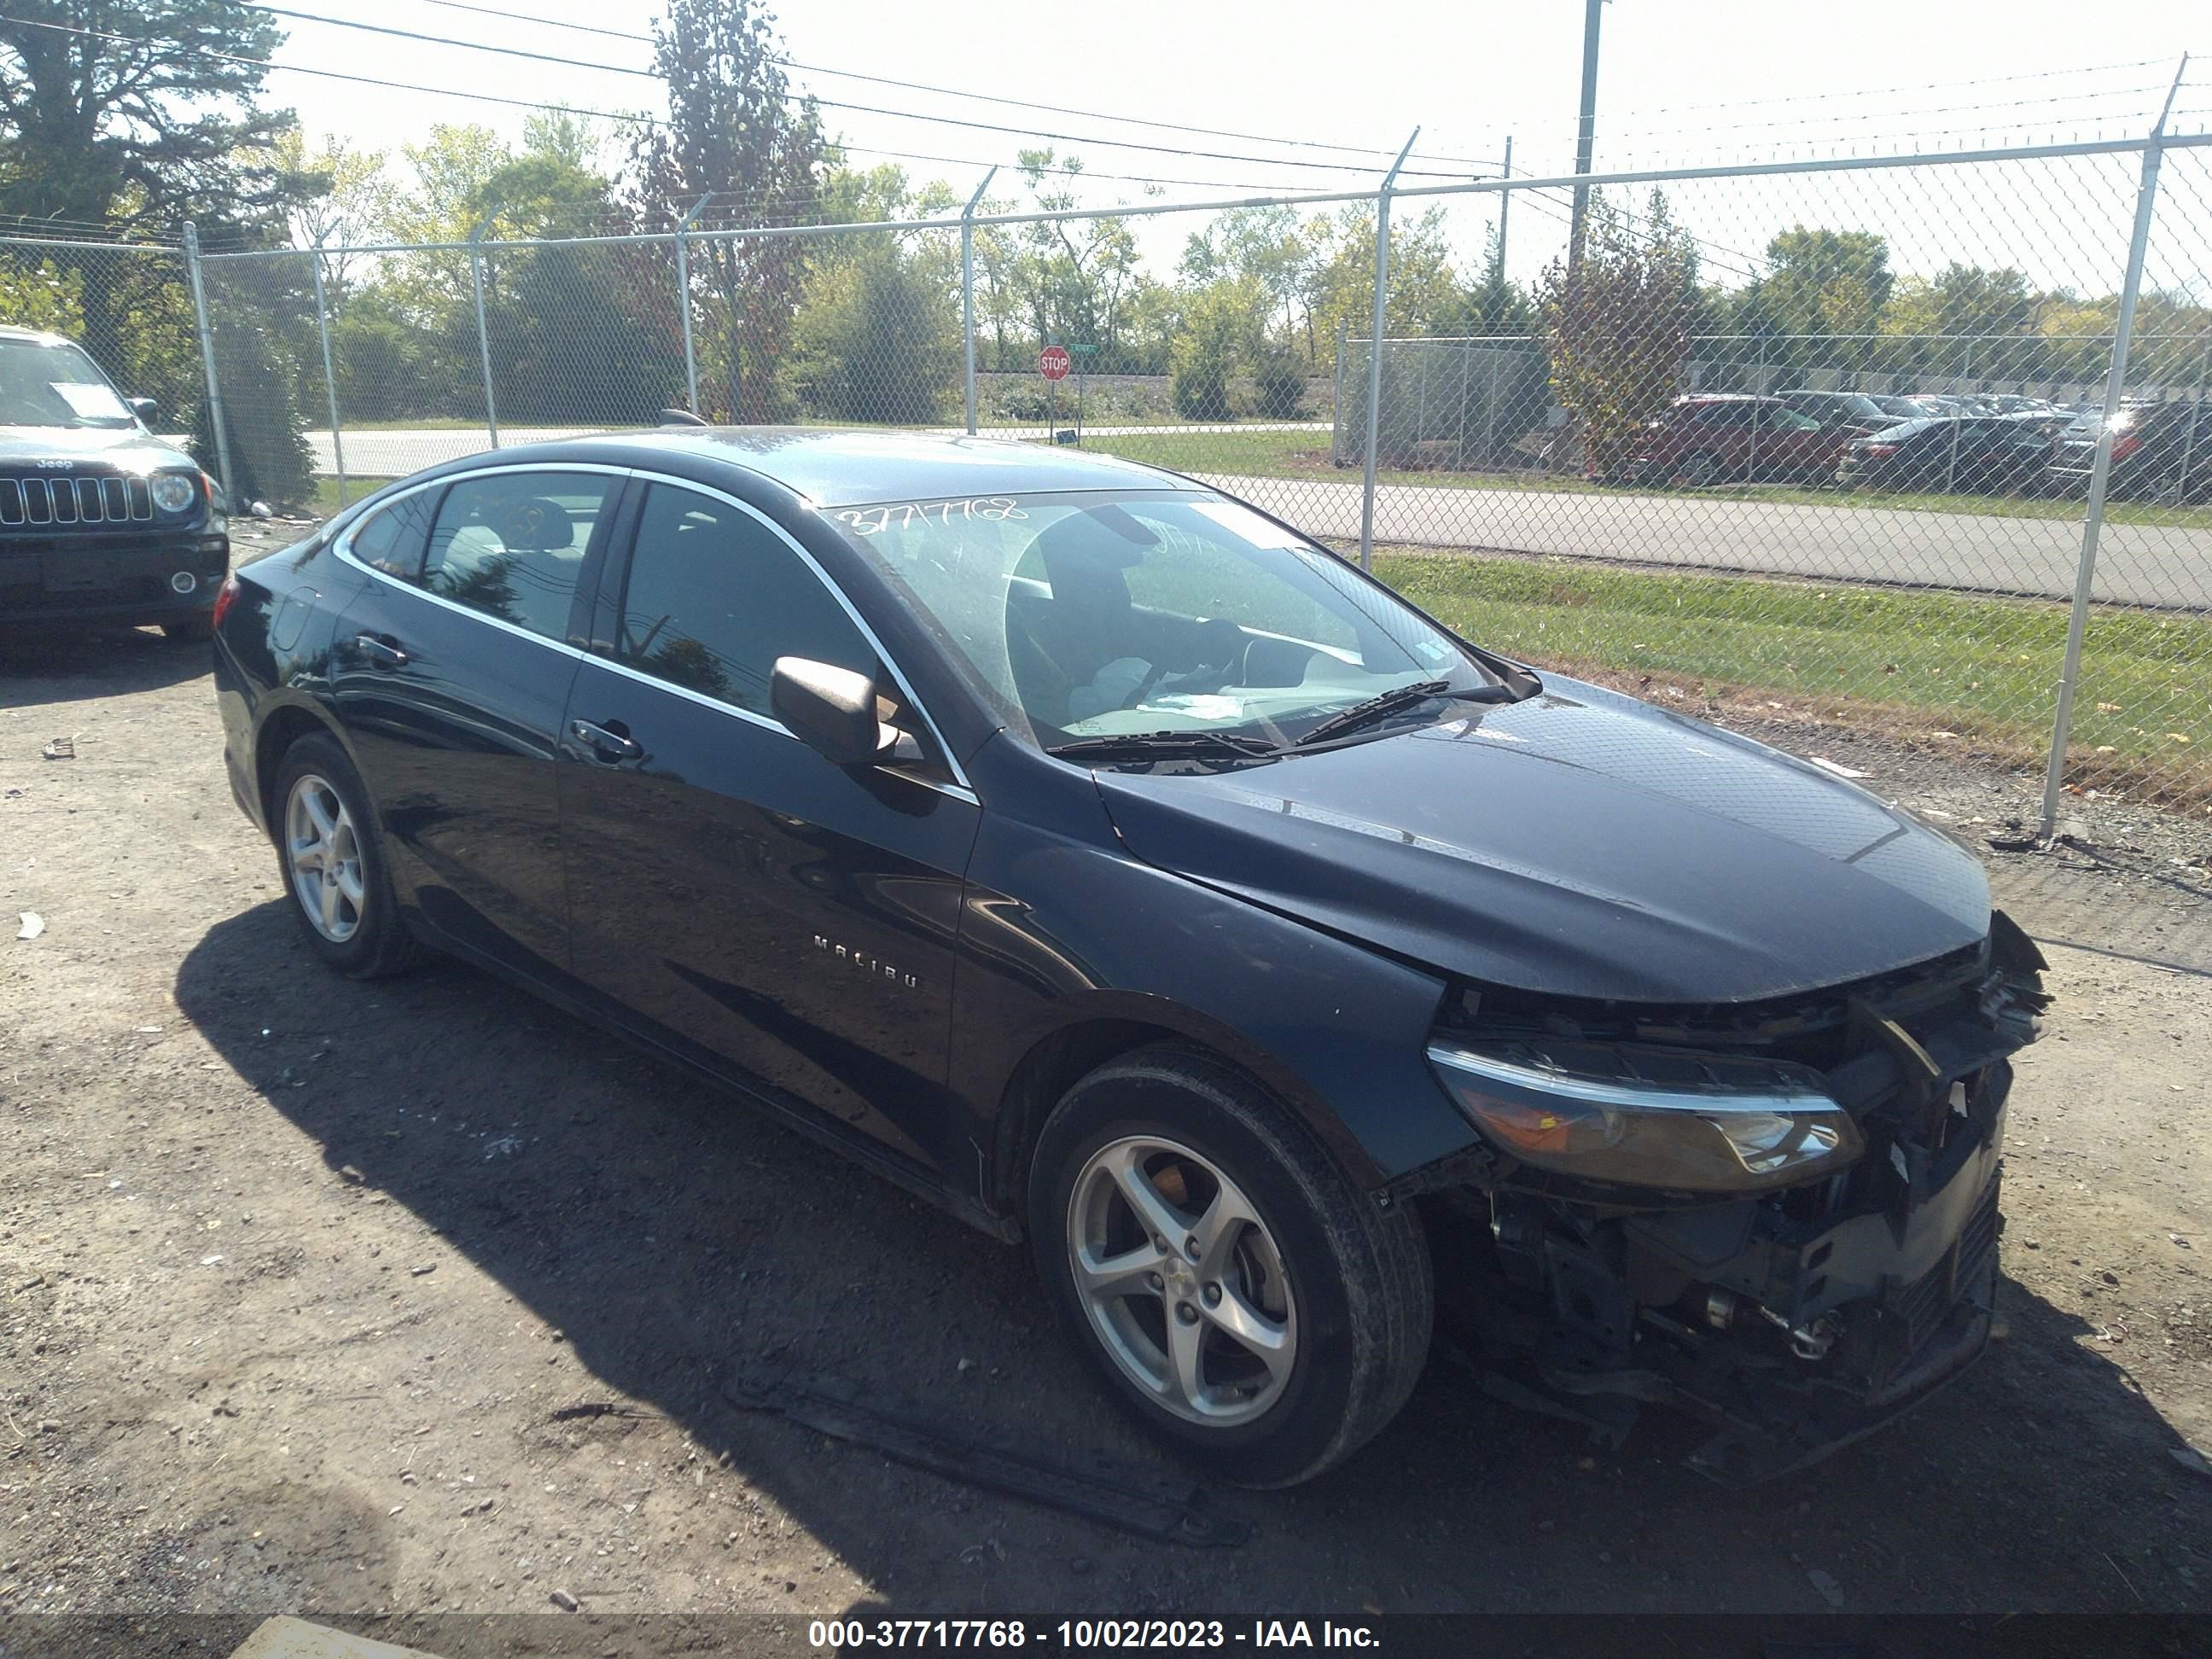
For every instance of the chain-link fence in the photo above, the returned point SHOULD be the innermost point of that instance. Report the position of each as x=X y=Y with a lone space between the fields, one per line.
x=1834 y=439
x=129 y=304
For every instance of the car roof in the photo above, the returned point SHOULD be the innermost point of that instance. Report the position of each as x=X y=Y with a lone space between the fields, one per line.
x=15 y=332
x=836 y=468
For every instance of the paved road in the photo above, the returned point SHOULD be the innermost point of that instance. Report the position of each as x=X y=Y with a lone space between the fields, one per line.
x=393 y=454
x=2140 y=565
x=2136 y=564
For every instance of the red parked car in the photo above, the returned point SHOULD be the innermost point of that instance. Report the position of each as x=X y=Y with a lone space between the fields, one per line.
x=1733 y=438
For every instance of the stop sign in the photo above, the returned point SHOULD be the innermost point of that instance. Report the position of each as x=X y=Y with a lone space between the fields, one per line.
x=1054 y=363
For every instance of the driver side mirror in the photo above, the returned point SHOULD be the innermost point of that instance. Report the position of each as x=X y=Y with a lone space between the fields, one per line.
x=144 y=408
x=831 y=710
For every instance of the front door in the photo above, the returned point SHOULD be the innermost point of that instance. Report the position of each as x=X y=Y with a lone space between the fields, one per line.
x=450 y=669
x=791 y=919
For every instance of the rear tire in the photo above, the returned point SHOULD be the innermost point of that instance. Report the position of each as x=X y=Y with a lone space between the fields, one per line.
x=1698 y=471
x=193 y=630
x=1238 y=1295
x=332 y=864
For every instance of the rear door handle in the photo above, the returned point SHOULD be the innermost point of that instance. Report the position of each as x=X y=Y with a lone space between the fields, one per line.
x=383 y=652
x=612 y=746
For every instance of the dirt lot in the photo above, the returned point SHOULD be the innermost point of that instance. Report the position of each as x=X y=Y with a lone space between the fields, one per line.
x=305 y=1280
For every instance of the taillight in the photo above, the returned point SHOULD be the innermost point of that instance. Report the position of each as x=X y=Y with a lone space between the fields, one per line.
x=2126 y=445
x=225 y=597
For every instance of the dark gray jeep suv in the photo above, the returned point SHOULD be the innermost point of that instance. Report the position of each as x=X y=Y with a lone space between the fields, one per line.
x=101 y=521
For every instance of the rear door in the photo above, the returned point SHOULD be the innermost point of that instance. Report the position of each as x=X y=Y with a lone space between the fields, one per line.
x=776 y=914
x=450 y=670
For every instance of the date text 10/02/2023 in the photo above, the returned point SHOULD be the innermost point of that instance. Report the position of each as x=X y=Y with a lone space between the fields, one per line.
x=833 y=1635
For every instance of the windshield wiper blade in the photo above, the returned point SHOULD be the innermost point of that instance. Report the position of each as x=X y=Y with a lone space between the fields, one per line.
x=1391 y=701
x=1164 y=745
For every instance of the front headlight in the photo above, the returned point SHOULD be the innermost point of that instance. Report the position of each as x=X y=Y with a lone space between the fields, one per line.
x=175 y=492
x=1651 y=1117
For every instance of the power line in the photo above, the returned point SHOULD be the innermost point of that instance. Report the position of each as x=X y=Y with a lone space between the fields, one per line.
x=1092 y=140
x=977 y=97
x=1880 y=91
x=632 y=118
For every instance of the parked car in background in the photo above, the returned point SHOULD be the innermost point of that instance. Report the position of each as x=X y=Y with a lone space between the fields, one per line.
x=1733 y=438
x=2161 y=452
x=1839 y=411
x=1991 y=453
x=1118 y=867
x=1903 y=409
x=2011 y=404
x=101 y=521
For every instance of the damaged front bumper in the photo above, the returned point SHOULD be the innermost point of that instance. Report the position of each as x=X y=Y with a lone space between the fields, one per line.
x=1796 y=1320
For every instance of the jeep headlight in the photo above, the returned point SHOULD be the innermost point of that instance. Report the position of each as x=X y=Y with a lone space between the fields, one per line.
x=175 y=492
x=1648 y=1116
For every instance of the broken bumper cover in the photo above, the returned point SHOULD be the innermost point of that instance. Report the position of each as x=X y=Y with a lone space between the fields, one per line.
x=1796 y=1386
x=1799 y=1319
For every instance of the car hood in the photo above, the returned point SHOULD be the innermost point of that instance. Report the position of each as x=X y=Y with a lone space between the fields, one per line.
x=1577 y=844
x=127 y=447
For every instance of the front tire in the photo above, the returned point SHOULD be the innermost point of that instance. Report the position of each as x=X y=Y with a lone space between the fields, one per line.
x=1238 y=1295
x=331 y=861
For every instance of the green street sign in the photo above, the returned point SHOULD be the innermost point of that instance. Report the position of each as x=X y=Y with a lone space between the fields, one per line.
x=1082 y=350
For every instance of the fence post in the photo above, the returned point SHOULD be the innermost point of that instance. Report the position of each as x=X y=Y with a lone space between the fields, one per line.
x=1336 y=394
x=967 y=298
x=483 y=338
x=2196 y=414
x=1375 y=354
x=207 y=361
x=684 y=302
x=2101 y=474
x=1490 y=414
x=329 y=379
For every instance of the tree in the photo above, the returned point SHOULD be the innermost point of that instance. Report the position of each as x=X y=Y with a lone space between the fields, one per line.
x=878 y=336
x=120 y=117
x=355 y=205
x=1339 y=275
x=1494 y=305
x=1075 y=276
x=1217 y=339
x=1824 y=283
x=1617 y=326
x=128 y=116
x=734 y=128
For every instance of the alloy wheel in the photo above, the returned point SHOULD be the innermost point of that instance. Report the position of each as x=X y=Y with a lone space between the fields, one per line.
x=1182 y=1281
x=322 y=851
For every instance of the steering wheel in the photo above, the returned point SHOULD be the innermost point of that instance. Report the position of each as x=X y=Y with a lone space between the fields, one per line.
x=1220 y=628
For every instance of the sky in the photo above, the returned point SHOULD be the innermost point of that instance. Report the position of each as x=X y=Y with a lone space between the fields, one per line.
x=1680 y=82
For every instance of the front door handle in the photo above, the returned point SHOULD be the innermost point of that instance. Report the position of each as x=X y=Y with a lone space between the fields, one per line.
x=609 y=743
x=384 y=653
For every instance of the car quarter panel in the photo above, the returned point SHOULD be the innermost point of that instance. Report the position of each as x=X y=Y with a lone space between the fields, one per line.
x=1338 y=1031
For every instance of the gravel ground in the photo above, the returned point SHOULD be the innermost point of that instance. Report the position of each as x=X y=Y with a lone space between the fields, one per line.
x=418 y=1296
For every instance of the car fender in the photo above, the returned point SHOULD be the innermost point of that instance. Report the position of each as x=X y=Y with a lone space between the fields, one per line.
x=1104 y=951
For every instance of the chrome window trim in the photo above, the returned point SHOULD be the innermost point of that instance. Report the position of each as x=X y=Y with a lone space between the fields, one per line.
x=343 y=547
x=961 y=788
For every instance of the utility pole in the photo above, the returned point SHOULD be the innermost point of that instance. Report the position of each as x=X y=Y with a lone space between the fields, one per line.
x=1586 y=128
x=1504 y=202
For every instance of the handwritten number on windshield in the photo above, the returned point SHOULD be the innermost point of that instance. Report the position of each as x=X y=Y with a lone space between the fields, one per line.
x=874 y=520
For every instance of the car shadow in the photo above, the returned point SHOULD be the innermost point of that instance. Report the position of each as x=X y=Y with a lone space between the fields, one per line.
x=51 y=663
x=676 y=1240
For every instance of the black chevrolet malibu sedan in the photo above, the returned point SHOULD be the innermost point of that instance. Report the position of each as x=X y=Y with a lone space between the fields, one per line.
x=1102 y=857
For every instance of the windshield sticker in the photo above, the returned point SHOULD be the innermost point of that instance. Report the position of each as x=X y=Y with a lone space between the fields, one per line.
x=90 y=401
x=1247 y=525
x=874 y=520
